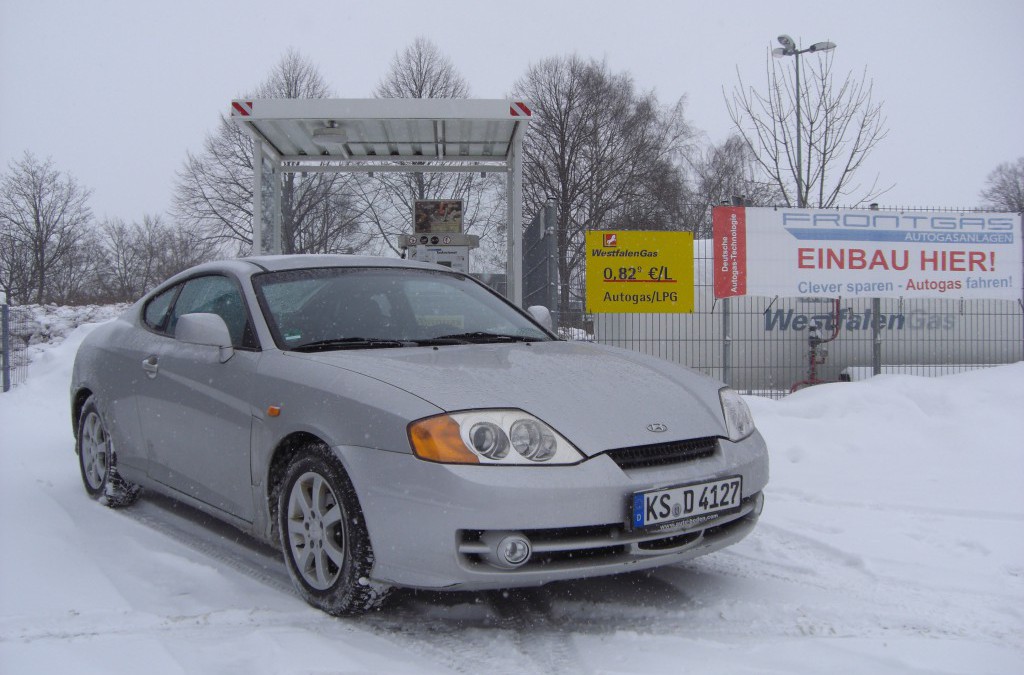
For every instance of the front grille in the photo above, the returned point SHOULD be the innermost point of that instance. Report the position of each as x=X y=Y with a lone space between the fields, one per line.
x=662 y=454
x=669 y=542
x=592 y=546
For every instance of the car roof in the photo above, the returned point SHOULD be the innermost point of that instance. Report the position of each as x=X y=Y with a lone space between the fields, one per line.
x=247 y=267
x=275 y=263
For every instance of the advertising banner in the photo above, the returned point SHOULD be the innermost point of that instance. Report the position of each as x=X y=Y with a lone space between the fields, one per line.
x=865 y=254
x=631 y=271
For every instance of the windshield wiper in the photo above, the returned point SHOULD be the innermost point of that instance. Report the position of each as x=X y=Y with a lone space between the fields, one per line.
x=483 y=336
x=440 y=341
x=349 y=343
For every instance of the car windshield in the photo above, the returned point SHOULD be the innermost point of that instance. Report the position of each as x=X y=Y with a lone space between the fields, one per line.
x=360 y=308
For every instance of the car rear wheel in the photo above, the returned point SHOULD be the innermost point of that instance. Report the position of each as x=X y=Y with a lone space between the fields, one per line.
x=98 y=461
x=324 y=538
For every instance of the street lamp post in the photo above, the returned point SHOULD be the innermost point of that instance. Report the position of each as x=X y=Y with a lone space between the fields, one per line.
x=789 y=48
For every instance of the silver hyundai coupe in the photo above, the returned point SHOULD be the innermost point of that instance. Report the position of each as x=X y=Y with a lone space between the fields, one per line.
x=392 y=423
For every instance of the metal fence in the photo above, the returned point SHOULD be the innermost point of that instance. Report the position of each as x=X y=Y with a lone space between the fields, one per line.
x=540 y=260
x=13 y=360
x=773 y=346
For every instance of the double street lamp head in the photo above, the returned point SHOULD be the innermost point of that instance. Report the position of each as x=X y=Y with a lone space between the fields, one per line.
x=789 y=47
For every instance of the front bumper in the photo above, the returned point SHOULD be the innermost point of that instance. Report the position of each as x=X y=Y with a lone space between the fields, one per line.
x=428 y=522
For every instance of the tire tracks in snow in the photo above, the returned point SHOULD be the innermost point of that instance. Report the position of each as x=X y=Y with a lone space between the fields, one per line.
x=531 y=620
x=540 y=638
x=927 y=511
x=456 y=645
x=536 y=630
x=127 y=623
x=214 y=539
x=460 y=630
x=848 y=600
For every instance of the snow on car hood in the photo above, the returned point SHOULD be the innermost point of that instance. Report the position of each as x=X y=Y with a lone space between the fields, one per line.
x=596 y=396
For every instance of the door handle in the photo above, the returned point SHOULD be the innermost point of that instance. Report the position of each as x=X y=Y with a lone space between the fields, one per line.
x=151 y=366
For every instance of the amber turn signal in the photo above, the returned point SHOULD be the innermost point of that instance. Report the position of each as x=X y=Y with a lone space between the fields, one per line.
x=437 y=439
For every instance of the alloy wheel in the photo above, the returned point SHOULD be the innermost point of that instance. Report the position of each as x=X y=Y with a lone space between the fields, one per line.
x=95 y=451
x=316 y=530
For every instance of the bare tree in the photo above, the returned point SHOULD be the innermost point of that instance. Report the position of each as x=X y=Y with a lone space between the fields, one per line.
x=135 y=257
x=171 y=248
x=16 y=279
x=840 y=125
x=718 y=173
x=43 y=216
x=119 y=276
x=1004 y=187
x=214 y=188
x=607 y=154
x=422 y=71
x=74 y=282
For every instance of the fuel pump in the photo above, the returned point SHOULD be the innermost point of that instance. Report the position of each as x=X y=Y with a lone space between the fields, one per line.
x=450 y=249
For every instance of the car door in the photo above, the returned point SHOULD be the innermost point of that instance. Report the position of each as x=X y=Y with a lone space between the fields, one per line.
x=196 y=412
x=123 y=379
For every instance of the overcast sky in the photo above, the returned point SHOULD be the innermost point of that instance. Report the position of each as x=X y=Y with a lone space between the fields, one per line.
x=117 y=92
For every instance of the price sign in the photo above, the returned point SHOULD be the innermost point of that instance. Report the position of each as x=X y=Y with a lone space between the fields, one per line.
x=630 y=271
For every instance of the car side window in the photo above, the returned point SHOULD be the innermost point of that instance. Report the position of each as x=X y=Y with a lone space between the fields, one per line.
x=155 y=314
x=215 y=295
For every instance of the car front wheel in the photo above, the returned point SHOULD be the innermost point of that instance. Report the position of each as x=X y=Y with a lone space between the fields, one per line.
x=98 y=461
x=324 y=538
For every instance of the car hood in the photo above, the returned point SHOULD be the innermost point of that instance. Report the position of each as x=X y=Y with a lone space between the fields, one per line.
x=598 y=397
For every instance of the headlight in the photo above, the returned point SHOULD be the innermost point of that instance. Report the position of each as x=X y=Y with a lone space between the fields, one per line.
x=488 y=437
x=738 y=420
x=533 y=440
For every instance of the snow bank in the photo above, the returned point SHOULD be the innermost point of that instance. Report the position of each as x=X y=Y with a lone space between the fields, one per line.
x=34 y=327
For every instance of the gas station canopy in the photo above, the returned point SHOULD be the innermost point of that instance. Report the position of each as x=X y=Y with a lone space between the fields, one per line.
x=388 y=135
x=372 y=134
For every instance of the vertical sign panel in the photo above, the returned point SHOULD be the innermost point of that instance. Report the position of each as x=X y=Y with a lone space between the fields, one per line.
x=729 y=234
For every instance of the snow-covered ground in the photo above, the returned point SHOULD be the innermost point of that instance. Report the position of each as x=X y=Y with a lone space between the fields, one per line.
x=892 y=541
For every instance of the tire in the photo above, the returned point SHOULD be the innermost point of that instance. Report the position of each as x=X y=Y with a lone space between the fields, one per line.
x=98 y=461
x=323 y=536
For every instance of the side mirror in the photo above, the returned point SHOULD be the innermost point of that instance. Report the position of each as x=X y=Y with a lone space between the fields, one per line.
x=541 y=315
x=205 y=329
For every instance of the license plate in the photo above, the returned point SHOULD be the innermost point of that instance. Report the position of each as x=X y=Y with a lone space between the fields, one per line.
x=686 y=502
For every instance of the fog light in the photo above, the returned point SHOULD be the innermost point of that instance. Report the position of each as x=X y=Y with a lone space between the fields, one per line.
x=514 y=550
x=508 y=550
